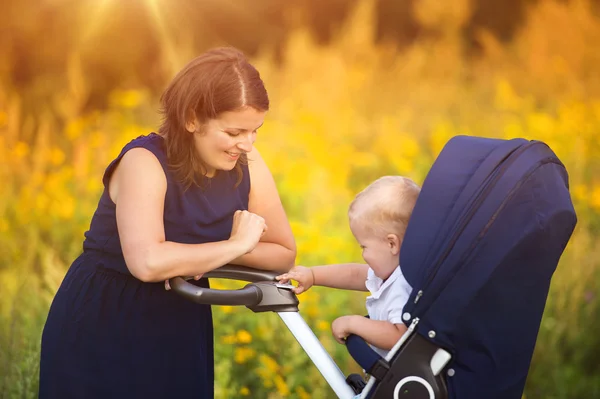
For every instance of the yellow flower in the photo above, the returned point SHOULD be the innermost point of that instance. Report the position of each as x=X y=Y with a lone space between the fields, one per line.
x=127 y=98
x=74 y=129
x=42 y=202
x=579 y=192
x=3 y=225
x=242 y=355
x=226 y=309
x=244 y=337
x=93 y=186
x=217 y=285
x=270 y=363
x=21 y=150
x=302 y=394
x=322 y=325
x=57 y=157
x=282 y=387
x=506 y=98
x=513 y=129
x=244 y=391
x=66 y=207
x=97 y=139
x=595 y=197
x=442 y=132
x=229 y=339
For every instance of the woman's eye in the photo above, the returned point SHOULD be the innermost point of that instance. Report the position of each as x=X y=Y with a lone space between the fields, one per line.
x=232 y=134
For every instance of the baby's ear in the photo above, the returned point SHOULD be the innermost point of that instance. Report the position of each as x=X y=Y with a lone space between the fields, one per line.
x=394 y=243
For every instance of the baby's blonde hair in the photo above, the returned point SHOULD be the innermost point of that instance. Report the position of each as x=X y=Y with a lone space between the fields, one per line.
x=385 y=206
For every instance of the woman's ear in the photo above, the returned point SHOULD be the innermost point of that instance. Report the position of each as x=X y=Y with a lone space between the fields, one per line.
x=191 y=125
x=394 y=243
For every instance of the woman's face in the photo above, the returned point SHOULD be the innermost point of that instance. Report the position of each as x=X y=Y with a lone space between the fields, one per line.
x=221 y=141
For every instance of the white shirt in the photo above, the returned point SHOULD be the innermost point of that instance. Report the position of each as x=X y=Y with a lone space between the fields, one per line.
x=387 y=298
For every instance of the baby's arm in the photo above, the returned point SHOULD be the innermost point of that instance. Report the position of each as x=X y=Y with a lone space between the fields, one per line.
x=349 y=276
x=379 y=333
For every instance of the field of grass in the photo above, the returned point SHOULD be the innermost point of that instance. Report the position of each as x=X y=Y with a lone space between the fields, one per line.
x=342 y=115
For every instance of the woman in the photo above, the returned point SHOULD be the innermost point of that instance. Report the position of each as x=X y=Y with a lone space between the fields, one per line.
x=190 y=199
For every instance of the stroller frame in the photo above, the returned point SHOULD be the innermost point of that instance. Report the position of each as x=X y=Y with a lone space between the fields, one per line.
x=265 y=294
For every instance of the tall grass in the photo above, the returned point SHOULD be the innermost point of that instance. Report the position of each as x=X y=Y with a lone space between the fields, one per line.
x=342 y=115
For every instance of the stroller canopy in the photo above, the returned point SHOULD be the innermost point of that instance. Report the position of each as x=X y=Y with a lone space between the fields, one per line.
x=486 y=234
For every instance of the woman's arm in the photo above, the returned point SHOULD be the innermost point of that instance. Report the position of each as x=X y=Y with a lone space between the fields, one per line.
x=138 y=187
x=276 y=249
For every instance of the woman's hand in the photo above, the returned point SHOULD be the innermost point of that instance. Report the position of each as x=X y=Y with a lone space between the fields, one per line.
x=303 y=275
x=247 y=229
x=168 y=285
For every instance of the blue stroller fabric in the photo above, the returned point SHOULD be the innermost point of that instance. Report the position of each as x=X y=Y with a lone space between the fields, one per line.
x=485 y=237
x=362 y=352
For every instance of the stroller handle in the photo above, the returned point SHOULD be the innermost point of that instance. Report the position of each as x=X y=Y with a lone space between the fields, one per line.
x=266 y=294
x=249 y=295
x=263 y=294
x=235 y=272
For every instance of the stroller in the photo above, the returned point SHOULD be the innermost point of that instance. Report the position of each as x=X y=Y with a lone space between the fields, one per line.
x=485 y=237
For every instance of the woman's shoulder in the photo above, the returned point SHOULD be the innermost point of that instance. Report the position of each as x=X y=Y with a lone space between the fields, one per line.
x=150 y=141
x=143 y=150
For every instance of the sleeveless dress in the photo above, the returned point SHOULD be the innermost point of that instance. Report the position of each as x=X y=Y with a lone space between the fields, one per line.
x=110 y=335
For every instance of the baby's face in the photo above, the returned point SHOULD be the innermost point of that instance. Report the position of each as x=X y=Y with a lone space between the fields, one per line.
x=377 y=250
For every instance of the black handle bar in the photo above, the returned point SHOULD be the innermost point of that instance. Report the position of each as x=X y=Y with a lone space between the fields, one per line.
x=234 y=272
x=251 y=295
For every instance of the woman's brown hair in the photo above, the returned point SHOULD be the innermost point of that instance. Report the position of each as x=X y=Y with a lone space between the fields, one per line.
x=217 y=81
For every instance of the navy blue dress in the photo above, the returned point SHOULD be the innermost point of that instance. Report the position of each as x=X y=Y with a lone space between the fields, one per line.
x=110 y=335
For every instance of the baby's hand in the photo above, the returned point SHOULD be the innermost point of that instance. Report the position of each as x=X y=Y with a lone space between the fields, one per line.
x=303 y=275
x=341 y=328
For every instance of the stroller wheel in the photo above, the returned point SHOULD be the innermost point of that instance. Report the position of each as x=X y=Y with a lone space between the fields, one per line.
x=413 y=387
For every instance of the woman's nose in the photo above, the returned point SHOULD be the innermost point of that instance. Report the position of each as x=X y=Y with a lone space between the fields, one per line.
x=246 y=143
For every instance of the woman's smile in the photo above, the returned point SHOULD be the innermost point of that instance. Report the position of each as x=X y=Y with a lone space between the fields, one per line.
x=233 y=155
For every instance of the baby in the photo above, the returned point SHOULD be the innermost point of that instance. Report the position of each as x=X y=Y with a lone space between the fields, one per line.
x=378 y=219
